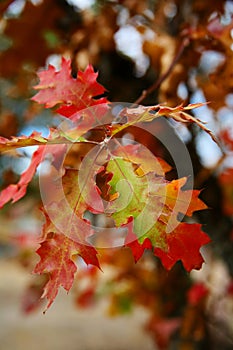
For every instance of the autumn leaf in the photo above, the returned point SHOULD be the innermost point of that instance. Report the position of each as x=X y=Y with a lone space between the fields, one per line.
x=136 y=192
x=184 y=244
x=227 y=138
x=15 y=192
x=66 y=231
x=66 y=207
x=57 y=253
x=226 y=183
x=22 y=141
x=140 y=155
x=86 y=298
x=150 y=206
x=197 y=293
x=130 y=190
x=64 y=135
x=179 y=113
x=31 y=299
x=74 y=94
x=134 y=197
x=141 y=199
x=55 y=145
x=162 y=330
x=175 y=195
x=131 y=241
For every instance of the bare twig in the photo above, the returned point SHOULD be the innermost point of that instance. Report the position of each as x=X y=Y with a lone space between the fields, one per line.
x=164 y=76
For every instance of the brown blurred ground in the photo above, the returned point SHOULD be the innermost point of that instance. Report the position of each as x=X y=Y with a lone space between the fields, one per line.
x=63 y=326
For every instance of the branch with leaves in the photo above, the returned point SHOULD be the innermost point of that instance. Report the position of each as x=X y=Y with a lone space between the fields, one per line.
x=121 y=181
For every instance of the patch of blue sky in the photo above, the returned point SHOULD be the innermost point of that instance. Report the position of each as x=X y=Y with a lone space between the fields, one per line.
x=20 y=164
x=208 y=151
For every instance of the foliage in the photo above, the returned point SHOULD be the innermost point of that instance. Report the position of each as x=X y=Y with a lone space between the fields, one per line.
x=134 y=188
x=150 y=203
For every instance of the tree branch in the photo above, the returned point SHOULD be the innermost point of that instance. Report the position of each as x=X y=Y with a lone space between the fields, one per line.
x=156 y=85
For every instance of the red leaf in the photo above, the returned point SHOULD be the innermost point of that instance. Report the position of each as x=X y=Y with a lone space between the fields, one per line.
x=59 y=87
x=65 y=232
x=31 y=299
x=131 y=241
x=162 y=330
x=184 y=244
x=197 y=293
x=226 y=183
x=25 y=240
x=230 y=288
x=16 y=192
x=56 y=254
x=86 y=298
x=67 y=204
x=227 y=138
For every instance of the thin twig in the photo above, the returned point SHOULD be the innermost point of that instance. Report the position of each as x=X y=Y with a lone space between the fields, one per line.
x=205 y=173
x=164 y=76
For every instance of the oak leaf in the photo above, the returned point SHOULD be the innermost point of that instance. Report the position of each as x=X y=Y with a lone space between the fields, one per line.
x=140 y=155
x=179 y=113
x=184 y=244
x=66 y=231
x=74 y=94
x=57 y=253
x=14 y=192
x=150 y=206
x=65 y=209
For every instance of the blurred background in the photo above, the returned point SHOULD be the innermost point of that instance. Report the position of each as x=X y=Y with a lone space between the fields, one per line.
x=175 y=51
